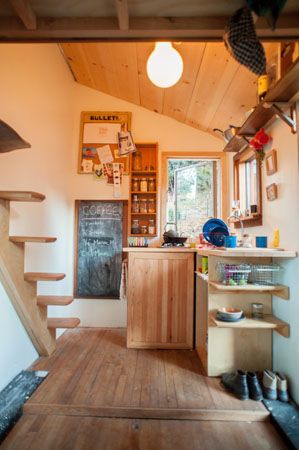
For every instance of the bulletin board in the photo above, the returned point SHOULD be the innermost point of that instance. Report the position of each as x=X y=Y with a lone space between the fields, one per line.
x=99 y=129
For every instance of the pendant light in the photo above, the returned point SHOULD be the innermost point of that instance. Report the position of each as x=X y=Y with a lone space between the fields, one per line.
x=165 y=65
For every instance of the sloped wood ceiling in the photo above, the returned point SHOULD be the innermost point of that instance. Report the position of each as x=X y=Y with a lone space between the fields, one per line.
x=214 y=90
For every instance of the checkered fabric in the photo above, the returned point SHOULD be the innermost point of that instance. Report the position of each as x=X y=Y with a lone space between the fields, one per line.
x=242 y=42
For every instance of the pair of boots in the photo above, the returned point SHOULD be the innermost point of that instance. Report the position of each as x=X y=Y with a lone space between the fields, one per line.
x=275 y=386
x=243 y=385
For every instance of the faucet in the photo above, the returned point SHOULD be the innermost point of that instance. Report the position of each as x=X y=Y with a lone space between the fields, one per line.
x=236 y=216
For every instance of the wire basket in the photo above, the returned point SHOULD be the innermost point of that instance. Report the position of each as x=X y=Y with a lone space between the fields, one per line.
x=265 y=274
x=233 y=274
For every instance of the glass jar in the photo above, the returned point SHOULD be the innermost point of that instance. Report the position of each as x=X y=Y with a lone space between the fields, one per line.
x=143 y=206
x=151 y=186
x=137 y=161
x=135 y=184
x=151 y=227
x=135 y=204
x=135 y=226
x=257 y=310
x=143 y=185
x=151 y=205
x=143 y=229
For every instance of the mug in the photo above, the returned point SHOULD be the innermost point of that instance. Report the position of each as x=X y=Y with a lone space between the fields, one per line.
x=230 y=241
x=261 y=241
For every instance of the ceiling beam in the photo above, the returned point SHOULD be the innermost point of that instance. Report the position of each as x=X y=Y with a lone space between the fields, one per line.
x=25 y=13
x=141 y=29
x=122 y=14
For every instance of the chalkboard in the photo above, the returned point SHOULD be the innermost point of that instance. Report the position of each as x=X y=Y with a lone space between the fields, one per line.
x=98 y=259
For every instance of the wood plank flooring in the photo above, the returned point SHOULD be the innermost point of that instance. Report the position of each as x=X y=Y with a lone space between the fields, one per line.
x=92 y=369
x=99 y=395
x=34 y=432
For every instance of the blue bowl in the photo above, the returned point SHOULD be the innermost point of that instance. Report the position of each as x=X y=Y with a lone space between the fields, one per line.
x=213 y=225
x=217 y=236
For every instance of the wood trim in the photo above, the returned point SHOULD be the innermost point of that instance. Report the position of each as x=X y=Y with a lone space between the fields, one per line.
x=222 y=157
x=147 y=413
x=209 y=28
x=122 y=14
x=25 y=13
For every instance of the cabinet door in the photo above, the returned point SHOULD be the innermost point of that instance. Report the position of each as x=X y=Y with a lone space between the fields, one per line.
x=160 y=300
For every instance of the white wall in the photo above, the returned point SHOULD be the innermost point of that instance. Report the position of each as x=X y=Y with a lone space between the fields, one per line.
x=42 y=102
x=283 y=214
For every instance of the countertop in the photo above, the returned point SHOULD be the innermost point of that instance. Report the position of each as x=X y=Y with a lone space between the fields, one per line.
x=161 y=249
x=222 y=252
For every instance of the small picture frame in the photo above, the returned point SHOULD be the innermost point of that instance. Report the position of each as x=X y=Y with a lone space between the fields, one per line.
x=271 y=191
x=271 y=162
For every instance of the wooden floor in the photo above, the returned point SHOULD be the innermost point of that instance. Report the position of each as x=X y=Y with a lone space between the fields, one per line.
x=99 y=394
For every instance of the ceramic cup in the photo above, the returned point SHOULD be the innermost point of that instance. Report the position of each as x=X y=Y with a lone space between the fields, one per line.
x=261 y=241
x=230 y=241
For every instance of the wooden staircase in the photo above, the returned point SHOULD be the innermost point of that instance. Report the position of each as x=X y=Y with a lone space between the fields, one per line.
x=22 y=287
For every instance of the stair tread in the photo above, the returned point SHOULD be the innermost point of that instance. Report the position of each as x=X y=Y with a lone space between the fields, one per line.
x=43 y=276
x=22 y=196
x=59 y=300
x=63 y=322
x=21 y=239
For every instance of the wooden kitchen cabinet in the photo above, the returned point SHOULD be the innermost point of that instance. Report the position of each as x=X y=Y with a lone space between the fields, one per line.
x=160 y=299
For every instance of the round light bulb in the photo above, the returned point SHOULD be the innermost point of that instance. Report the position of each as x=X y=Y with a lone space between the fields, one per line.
x=164 y=65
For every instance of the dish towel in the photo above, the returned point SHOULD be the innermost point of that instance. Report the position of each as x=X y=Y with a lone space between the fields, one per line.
x=124 y=280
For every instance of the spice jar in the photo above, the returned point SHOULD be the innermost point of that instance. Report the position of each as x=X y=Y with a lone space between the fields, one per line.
x=143 y=206
x=151 y=205
x=135 y=184
x=135 y=226
x=137 y=161
x=151 y=185
x=143 y=229
x=143 y=185
x=151 y=227
x=135 y=204
x=257 y=310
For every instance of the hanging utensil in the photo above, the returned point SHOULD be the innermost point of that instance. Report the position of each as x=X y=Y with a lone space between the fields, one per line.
x=229 y=133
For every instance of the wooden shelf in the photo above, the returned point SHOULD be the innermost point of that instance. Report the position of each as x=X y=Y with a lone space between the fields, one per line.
x=144 y=172
x=203 y=276
x=142 y=235
x=279 y=290
x=143 y=214
x=268 y=322
x=141 y=192
x=283 y=91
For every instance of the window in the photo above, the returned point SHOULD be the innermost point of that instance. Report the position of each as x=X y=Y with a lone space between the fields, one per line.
x=192 y=192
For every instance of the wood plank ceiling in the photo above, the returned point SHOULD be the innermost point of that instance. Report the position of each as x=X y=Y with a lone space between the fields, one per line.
x=214 y=90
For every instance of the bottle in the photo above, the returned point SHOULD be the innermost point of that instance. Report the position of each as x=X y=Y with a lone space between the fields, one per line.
x=135 y=227
x=151 y=205
x=262 y=86
x=137 y=161
x=143 y=185
x=143 y=206
x=276 y=238
x=151 y=185
x=135 y=204
x=151 y=227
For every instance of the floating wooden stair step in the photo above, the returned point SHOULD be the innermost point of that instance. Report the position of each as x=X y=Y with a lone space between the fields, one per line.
x=63 y=322
x=45 y=300
x=22 y=239
x=22 y=196
x=43 y=276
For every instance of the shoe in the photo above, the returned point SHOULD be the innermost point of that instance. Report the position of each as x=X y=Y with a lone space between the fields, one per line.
x=282 y=388
x=255 y=390
x=237 y=384
x=269 y=385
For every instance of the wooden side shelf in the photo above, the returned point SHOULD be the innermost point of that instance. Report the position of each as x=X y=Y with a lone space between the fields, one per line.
x=278 y=290
x=23 y=239
x=268 y=322
x=43 y=276
x=283 y=91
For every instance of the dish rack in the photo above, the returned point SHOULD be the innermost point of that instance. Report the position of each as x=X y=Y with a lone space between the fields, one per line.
x=265 y=275
x=234 y=274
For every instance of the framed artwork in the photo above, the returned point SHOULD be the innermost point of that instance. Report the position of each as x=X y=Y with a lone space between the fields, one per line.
x=271 y=191
x=98 y=141
x=271 y=162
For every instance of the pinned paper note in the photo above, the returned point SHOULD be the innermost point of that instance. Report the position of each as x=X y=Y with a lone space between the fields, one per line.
x=105 y=133
x=105 y=154
x=87 y=165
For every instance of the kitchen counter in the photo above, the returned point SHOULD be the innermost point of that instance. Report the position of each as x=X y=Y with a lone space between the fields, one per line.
x=247 y=252
x=161 y=249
